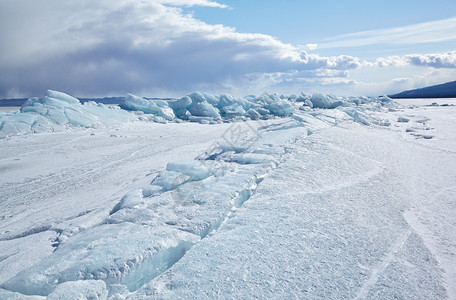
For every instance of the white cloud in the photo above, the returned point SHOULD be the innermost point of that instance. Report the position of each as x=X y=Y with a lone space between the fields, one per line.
x=441 y=60
x=311 y=47
x=390 y=61
x=341 y=62
x=437 y=60
x=207 y=3
x=435 y=31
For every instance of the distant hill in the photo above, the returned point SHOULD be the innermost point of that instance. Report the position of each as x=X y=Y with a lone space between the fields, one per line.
x=12 y=102
x=446 y=90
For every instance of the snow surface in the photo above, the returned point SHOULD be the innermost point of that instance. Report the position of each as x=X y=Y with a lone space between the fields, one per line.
x=336 y=201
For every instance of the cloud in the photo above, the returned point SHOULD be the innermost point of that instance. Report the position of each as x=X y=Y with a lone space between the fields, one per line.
x=400 y=84
x=207 y=3
x=390 y=61
x=154 y=48
x=341 y=62
x=443 y=60
x=437 y=60
x=308 y=81
x=311 y=47
x=435 y=31
x=435 y=69
x=101 y=47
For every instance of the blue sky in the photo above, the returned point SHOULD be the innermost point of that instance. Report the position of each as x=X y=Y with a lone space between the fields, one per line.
x=173 y=47
x=301 y=22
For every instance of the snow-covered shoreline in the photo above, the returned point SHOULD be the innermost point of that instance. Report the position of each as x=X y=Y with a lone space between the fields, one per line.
x=307 y=205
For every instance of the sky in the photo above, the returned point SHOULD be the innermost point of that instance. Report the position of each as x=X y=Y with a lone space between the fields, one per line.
x=169 y=48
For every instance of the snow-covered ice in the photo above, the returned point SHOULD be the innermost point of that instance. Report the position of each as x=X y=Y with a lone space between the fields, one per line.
x=301 y=196
x=87 y=289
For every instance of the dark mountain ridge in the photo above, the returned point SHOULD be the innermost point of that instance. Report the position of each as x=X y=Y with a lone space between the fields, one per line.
x=445 y=90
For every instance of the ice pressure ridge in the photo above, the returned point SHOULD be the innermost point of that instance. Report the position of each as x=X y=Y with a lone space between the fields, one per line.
x=57 y=111
x=151 y=228
x=208 y=108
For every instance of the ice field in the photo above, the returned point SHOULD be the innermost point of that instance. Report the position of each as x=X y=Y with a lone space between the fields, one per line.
x=216 y=197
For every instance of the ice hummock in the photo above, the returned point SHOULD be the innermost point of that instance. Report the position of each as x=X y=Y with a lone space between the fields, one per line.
x=57 y=111
x=156 y=107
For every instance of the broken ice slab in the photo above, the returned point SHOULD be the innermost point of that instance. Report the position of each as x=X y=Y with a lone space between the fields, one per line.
x=125 y=253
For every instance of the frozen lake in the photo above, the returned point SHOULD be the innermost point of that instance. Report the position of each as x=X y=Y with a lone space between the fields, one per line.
x=9 y=108
x=348 y=203
x=426 y=101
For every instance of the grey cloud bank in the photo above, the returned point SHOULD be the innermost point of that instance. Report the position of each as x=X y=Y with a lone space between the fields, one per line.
x=99 y=47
